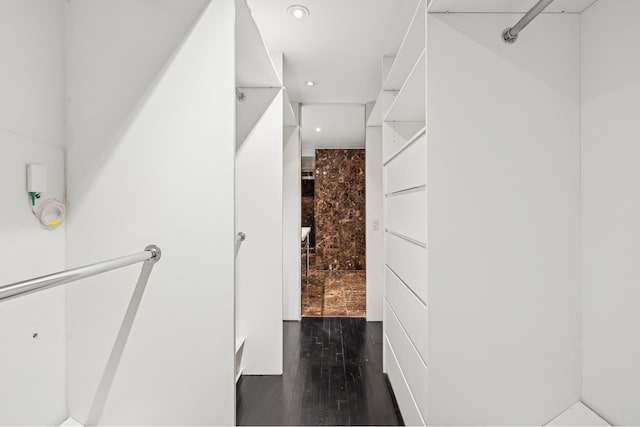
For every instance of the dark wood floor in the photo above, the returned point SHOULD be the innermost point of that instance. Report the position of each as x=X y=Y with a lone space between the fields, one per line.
x=332 y=376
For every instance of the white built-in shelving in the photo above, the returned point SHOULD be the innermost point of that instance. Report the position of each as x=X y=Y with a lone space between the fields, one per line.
x=401 y=112
x=254 y=66
x=405 y=145
x=257 y=78
x=264 y=118
x=410 y=50
x=405 y=64
x=410 y=105
x=385 y=98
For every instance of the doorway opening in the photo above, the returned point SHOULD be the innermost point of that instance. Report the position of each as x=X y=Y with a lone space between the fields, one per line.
x=333 y=213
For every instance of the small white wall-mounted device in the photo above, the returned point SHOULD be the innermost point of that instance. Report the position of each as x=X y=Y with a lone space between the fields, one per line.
x=50 y=212
x=36 y=178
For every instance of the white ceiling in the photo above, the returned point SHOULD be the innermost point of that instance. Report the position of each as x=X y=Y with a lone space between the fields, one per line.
x=339 y=45
x=342 y=126
x=506 y=6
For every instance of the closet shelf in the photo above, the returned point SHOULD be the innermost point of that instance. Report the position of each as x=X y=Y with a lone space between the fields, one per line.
x=254 y=67
x=384 y=99
x=412 y=45
x=250 y=110
x=409 y=105
x=404 y=146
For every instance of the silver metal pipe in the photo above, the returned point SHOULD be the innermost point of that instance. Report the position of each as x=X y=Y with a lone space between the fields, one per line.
x=510 y=35
x=151 y=254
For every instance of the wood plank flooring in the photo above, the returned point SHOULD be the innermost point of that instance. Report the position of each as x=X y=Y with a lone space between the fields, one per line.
x=332 y=376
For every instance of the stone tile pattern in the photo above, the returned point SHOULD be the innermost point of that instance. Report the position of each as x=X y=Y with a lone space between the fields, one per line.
x=308 y=216
x=339 y=195
x=333 y=292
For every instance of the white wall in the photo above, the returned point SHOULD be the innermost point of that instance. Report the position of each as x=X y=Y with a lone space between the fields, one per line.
x=611 y=209
x=504 y=228
x=341 y=125
x=291 y=219
x=159 y=171
x=32 y=385
x=374 y=214
x=115 y=50
x=32 y=72
x=32 y=382
x=259 y=262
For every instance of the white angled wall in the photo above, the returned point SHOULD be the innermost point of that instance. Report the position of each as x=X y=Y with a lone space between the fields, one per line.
x=504 y=228
x=611 y=209
x=32 y=378
x=259 y=213
x=107 y=74
x=291 y=219
x=154 y=169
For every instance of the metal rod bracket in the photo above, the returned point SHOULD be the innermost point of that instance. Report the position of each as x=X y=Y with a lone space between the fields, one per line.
x=510 y=35
x=156 y=253
x=507 y=37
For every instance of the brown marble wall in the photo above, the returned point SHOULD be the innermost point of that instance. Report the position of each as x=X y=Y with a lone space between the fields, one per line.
x=308 y=216
x=340 y=210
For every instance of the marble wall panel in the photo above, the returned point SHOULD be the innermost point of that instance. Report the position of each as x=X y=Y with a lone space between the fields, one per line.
x=339 y=198
x=308 y=217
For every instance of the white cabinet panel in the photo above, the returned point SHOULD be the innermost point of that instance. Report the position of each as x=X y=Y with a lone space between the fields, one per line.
x=407 y=214
x=408 y=409
x=409 y=168
x=414 y=369
x=411 y=312
x=409 y=262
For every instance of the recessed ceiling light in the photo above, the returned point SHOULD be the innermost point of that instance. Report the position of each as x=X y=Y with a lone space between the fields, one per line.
x=298 y=11
x=318 y=129
x=310 y=83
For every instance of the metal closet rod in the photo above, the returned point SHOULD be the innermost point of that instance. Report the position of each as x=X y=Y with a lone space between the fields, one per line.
x=510 y=35
x=151 y=254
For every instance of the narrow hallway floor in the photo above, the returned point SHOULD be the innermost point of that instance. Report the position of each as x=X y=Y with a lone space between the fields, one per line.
x=332 y=376
x=333 y=292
